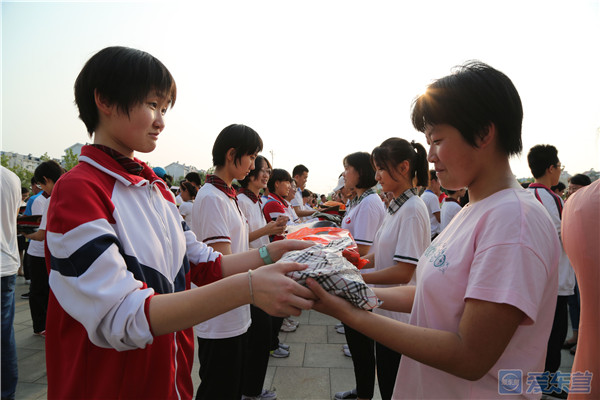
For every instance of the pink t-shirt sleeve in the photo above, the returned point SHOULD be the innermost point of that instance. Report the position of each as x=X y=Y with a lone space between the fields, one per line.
x=509 y=274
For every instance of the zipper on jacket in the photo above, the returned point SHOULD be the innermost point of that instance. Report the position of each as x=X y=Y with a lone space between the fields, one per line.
x=169 y=246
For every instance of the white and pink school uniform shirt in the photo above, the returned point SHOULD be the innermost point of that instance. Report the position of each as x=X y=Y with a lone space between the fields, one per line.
x=364 y=217
x=216 y=218
x=256 y=219
x=402 y=237
x=502 y=249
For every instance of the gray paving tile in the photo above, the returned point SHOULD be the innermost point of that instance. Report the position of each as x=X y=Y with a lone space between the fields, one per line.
x=26 y=391
x=23 y=317
x=333 y=336
x=326 y=355
x=317 y=318
x=342 y=379
x=296 y=358
x=27 y=340
x=302 y=383
x=31 y=367
x=308 y=334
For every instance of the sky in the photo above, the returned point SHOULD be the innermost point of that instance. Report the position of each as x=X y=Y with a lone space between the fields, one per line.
x=317 y=80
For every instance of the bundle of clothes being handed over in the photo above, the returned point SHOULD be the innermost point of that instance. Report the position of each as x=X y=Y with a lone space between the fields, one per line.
x=334 y=263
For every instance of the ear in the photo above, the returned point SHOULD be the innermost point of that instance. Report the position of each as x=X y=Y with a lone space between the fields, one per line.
x=230 y=155
x=403 y=167
x=487 y=137
x=104 y=106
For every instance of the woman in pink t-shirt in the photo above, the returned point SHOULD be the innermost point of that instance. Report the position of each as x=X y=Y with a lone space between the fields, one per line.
x=483 y=304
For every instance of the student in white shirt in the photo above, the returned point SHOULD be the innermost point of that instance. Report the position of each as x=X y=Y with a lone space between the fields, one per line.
x=300 y=175
x=188 y=192
x=218 y=221
x=47 y=173
x=291 y=210
x=431 y=199
x=450 y=206
x=364 y=214
x=259 y=333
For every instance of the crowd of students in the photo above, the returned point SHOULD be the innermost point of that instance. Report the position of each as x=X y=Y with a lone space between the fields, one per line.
x=137 y=275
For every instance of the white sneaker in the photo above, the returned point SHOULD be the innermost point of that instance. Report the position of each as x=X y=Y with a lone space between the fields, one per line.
x=340 y=329
x=291 y=322
x=265 y=395
x=284 y=346
x=347 y=352
x=285 y=327
x=348 y=395
x=280 y=353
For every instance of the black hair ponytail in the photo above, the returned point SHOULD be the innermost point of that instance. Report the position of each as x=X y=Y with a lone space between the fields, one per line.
x=421 y=165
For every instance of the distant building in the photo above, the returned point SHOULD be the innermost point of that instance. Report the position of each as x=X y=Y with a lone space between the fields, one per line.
x=76 y=149
x=28 y=161
x=178 y=171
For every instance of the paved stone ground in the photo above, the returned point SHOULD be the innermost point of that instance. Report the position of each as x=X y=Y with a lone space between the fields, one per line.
x=315 y=370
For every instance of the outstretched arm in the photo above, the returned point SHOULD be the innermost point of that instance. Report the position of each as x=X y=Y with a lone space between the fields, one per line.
x=272 y=291
x=396 y=274
x=484 y=331
x=242 y=262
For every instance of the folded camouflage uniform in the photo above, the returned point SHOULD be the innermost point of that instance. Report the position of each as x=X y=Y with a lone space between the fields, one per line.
x=333 y=272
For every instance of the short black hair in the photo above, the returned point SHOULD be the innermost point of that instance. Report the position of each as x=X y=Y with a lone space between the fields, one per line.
x=540 y=158
x=194 y=177
x=189 y=188
x=299 y=170
x=361 y=162
x=559 y=186
x=278 y=175
x=254 y=173
x=580 y=179
x=394 y=150
x=48 y=170
x=24 y=190
x=433 y=175
x=125 y=77
x=306 y=193
x=240 y=137
x=472 y=98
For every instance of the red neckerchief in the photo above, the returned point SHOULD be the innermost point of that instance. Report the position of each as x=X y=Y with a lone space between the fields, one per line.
x=557 y=200
x=222 y=186
x=131 y=166
x=279 y=199
x=250 y=195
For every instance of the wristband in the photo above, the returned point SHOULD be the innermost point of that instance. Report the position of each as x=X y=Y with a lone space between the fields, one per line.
x=250 y=285
x=264 y=254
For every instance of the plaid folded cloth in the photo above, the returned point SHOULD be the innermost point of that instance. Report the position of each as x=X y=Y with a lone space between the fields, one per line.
x=333 y=272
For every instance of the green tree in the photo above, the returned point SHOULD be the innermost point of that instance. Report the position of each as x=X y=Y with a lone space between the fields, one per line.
x=45 y=157
x=23 y=174
x=4 y=159
x=203 y=174
x=70 y=159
